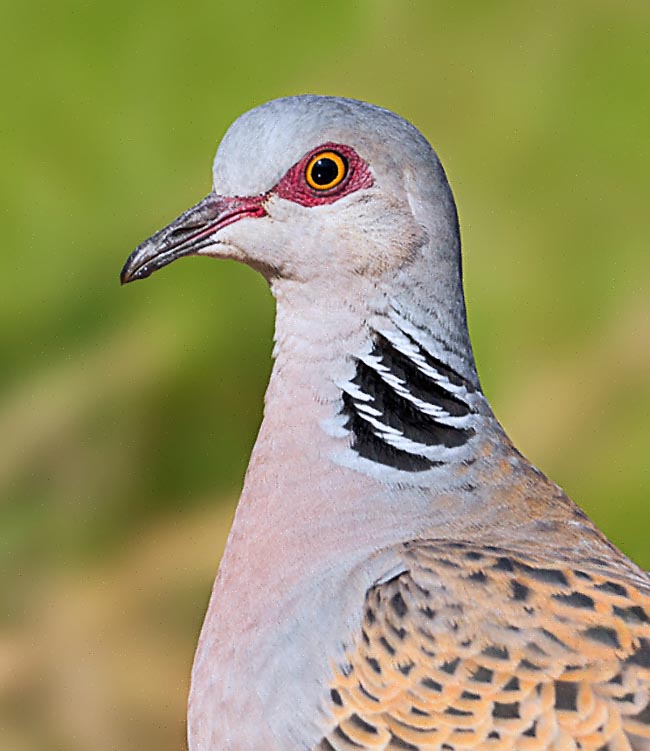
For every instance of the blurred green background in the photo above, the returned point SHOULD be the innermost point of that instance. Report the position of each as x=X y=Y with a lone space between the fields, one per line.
x=127 y=415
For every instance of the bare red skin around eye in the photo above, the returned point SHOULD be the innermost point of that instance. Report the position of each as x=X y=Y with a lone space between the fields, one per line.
x=294 y=187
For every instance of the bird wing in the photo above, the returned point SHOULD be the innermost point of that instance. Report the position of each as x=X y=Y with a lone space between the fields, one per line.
x=475 y=647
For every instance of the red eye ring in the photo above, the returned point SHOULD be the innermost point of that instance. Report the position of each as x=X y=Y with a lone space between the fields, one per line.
x=295 y=185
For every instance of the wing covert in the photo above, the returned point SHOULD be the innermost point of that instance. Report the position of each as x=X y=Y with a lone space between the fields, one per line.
x=477 y=647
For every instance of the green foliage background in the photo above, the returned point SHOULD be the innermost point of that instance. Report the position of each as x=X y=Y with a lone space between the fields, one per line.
x=127 y=415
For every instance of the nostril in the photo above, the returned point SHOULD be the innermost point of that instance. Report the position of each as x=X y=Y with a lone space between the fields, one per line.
x=178 y=234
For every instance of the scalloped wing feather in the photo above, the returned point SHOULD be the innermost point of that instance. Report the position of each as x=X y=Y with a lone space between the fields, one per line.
x=480 y=648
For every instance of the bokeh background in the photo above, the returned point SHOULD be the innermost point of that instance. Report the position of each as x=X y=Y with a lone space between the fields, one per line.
x=127 y=415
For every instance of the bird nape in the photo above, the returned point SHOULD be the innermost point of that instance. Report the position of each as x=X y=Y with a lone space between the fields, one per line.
x=398 y=576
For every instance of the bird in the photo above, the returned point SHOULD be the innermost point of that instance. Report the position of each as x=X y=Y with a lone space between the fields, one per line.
x=398 y=576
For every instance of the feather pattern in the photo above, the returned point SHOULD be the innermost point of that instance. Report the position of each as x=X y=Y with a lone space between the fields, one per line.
x=480 y=647
x=403 y=405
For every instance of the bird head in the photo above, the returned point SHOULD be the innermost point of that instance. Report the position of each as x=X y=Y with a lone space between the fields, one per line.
x=307 y=187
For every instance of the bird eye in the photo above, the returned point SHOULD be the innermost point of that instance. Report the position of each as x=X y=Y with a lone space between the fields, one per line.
x=326 y=170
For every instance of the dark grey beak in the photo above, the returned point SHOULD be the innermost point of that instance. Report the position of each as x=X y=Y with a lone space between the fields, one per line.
x=193 y=230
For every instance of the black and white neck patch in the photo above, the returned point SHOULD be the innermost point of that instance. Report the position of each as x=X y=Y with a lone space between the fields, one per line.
x=404 y=406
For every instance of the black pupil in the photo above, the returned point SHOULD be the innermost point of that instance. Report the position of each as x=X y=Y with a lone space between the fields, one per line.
x=324 y=171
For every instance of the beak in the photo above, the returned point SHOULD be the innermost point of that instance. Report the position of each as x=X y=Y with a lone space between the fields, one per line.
x=187 y=235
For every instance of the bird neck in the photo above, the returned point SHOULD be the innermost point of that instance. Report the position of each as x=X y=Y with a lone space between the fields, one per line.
x=394 y=394
x=375 y=431
x=363 y=403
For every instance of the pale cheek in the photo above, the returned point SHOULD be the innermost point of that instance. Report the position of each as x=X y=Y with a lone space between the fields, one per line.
x=244 y=241
x=378 y=243
x=364 y=238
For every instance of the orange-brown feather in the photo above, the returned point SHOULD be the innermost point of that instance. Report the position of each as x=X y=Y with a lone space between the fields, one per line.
x=475 y=647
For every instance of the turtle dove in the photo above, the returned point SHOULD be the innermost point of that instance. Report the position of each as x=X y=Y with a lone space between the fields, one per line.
x=398 y=576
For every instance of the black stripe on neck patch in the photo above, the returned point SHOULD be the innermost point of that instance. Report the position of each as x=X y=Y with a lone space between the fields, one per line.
x=396 y=412
x=370 y=446
x=418 y=383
